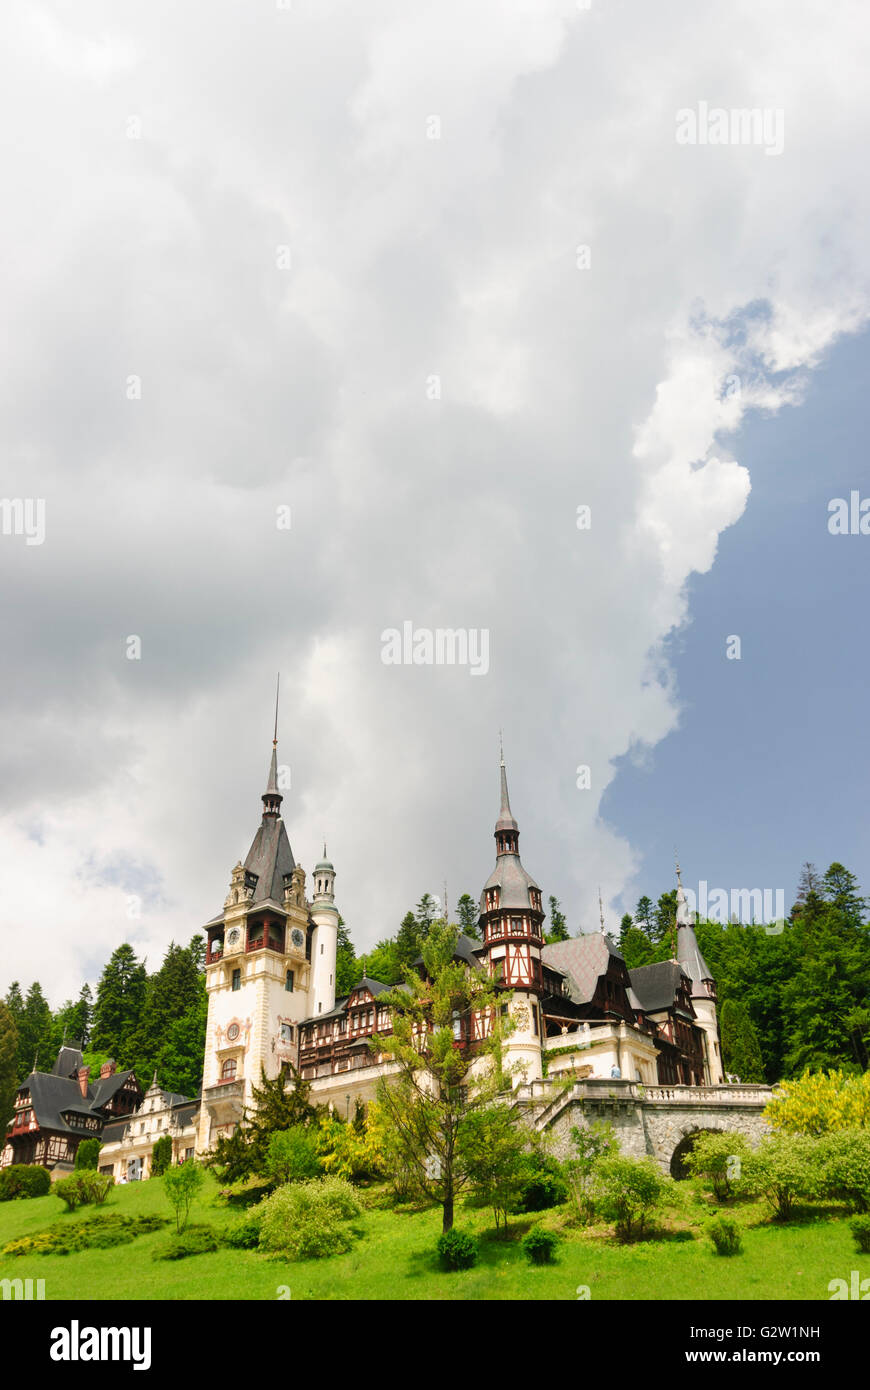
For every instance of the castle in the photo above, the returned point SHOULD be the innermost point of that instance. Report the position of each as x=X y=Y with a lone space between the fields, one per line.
x=270 y=965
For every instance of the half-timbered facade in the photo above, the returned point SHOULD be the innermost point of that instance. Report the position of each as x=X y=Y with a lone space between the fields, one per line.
x=54 y=1111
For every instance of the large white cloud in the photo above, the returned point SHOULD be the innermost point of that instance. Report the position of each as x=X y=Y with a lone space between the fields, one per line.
x=718 y=276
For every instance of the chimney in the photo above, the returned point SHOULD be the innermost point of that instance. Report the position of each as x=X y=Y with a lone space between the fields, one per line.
x=108 y=1068
x=82 y=1077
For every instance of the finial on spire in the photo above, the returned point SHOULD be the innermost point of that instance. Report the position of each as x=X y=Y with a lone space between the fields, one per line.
x=500 y=748
x=677 y=862
x=600 y=909
x=277 y=692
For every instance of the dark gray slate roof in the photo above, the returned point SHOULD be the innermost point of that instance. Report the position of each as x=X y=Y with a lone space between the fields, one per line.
x=582 y=960
x=513 y=880
x=270 y=858
x=656 y=985
x=49 y=1095
x=690 y=958
x=68 y=1061
x=101 y=1091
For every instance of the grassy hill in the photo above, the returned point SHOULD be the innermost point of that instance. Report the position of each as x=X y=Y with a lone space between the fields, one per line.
x=394 y=1259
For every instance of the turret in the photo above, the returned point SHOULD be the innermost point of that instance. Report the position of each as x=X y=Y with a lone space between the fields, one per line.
x=511 y=917
x=692 y=963
x=324 y=941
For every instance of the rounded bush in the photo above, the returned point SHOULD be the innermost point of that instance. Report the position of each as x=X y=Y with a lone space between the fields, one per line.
x=193 y=1240
x=540 y=1246
x=244 y=1234
x=24 y=1180
x=457 y=1249
x=725 y=1235
x=308 y=1220
x=860 y=1228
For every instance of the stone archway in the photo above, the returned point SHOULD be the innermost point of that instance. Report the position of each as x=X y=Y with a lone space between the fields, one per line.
x=677 y=1165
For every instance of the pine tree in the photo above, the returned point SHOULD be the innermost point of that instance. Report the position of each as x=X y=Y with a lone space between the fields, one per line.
x=427 y=911
x=741 y=1052
x=664 y=918
x=9 y=1077
x=558 y=927
x=120 y=999
x=407 y=947
x=468 y=916
x=347 y=972
x=643 y=914
x=175 y=991
x=35 y=1033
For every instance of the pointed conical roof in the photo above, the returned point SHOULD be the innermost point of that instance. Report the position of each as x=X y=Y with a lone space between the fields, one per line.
x=688 y=951
x=506 y=820
x=509 y=875
x=270 y=856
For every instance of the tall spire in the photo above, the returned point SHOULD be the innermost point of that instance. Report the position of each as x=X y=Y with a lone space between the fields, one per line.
x=506 y=828
x=688 y=952
x=272 y=798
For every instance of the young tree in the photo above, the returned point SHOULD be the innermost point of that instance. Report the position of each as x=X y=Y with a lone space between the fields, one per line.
x=558 y=927
x=429 y=1103
x=493 y=1147
x=469 y=914
x=181 y=1184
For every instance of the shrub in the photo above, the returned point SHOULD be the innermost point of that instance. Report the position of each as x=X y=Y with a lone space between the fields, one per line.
x=23 y=1180
x=544 y=1186
x=718 y=1160
x=592 y=1143
x=457 y=1249
x=844 y=1161
x=84 y=1188
x=725 y=1235
x=308 y=1220
x=860 y=1228
x=87 y=1154
x=193 y=1240
x=783 y=1169
x=98 y=1232
x=820 y=1103
x=540 y=1246
x=629 y=1191
x=292 y=1156
x=161 y=1155
x=244 y=1234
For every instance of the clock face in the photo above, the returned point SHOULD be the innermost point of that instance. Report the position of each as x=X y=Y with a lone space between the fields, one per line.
x=297 y=938
x=233 y=936
x=233 y=1032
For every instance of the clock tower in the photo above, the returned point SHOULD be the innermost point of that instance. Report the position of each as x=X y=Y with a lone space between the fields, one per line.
x=258 y=970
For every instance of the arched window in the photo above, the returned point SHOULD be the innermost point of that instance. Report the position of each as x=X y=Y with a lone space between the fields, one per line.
x=228 y=1070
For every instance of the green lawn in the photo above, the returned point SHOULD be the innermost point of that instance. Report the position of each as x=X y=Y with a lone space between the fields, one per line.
x=394 y=1259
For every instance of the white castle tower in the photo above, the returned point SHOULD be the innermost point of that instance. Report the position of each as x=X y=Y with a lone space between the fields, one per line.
x=511 y=923
x=703 y=989
x=263 y=961
x=324 y=941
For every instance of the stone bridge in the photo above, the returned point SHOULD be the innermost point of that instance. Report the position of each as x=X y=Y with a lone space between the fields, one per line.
x=656 y=1121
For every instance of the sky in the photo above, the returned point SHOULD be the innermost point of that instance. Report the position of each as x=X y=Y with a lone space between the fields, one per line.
x=323 y=319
